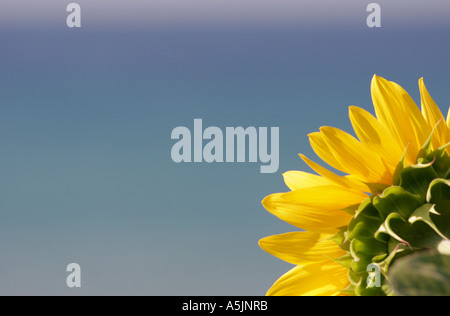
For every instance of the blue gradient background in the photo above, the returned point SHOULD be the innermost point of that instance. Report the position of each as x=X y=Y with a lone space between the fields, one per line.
x=86 y=116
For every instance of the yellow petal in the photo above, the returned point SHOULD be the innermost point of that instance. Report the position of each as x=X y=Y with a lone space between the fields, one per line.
x=448 y=129
x=346 y=181
x=298 y=180
x=375 y=136
x=433 y=116
x=326 y=198
x=301 y=247
x=315 y=279
x=322 y=150
x=396 y=110
x=448 y=117
x=356 y=158
x=305 y=217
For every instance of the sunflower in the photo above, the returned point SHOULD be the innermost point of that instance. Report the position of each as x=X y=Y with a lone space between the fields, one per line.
x=390 y=201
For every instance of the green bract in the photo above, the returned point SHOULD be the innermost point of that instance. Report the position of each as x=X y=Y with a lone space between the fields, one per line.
x=411 y=216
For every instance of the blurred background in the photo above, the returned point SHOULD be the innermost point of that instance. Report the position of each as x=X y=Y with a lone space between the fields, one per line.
x=86 y=115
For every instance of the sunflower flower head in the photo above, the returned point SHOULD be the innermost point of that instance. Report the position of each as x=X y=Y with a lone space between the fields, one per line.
x=388 y=212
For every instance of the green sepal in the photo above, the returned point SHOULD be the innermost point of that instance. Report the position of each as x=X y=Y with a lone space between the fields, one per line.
x=415 y=236
x=367 y=247
x=388 y=228
x=359 y=265
x=439 y=194
x=439 y=191
x=351 y=209
x=365 y=222
x=396 y=199
x=396 y=250
x=372 y=291
x=380 y=258
x=345 y=260
x=441 y=161
x=340 y=239
x=423 y=214
x=354 y=278
x=426 y=148
x=401 y=165
x=417 y=178
x=349 y=290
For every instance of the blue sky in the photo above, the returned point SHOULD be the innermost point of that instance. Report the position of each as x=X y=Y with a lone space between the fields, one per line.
x=86 y=116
